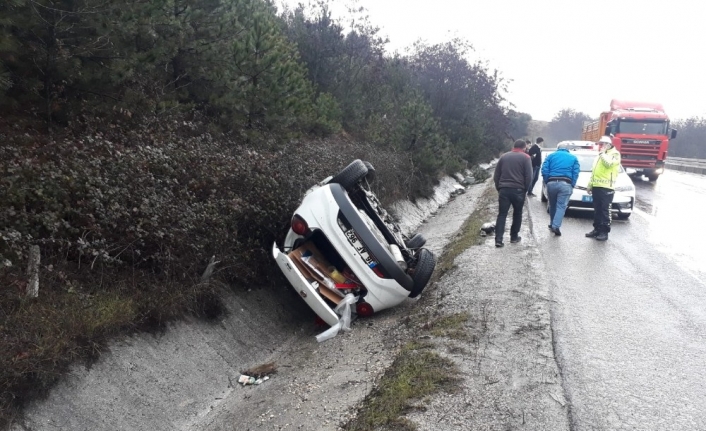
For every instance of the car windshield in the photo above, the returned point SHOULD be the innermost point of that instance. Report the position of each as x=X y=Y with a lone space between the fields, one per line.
x=643 y=127
x=586 y=162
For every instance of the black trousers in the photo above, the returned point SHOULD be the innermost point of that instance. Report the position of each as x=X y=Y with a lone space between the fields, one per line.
x=602 y=200
x=509 y=197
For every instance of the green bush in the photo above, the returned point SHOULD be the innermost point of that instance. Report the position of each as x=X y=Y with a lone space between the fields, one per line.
x=127 y=215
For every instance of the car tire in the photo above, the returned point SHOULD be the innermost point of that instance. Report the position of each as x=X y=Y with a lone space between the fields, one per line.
x=422 y=271
x=417 y=241
x=371 y=172
x=624 y=216
x=351 y=175
x=544 y=197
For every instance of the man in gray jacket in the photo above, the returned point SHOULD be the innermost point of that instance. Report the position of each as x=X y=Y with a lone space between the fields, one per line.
x=513 y=177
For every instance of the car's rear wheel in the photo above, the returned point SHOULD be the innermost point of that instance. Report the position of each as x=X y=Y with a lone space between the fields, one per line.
x=544 y=197
x=422 y=271
x=371 y=172
x=416 y=241
x=351 y=175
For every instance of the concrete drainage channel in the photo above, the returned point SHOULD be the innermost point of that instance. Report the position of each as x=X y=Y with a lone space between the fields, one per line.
x=187 y=377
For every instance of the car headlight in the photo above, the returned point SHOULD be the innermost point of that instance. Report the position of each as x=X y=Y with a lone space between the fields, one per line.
x=624 y=189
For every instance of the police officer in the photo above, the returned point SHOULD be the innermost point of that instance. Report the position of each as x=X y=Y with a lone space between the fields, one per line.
x=602 y=186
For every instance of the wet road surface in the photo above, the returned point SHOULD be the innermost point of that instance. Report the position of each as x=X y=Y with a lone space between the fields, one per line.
x=629 y=317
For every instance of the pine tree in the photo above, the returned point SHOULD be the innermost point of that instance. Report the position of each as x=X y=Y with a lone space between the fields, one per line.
x=60 y=47
x=266 y=84
x=8 y=44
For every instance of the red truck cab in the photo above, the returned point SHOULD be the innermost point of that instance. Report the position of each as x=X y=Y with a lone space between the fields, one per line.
x=639 y=130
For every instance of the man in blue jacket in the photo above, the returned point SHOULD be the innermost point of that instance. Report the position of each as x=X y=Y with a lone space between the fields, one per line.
x=560 y=171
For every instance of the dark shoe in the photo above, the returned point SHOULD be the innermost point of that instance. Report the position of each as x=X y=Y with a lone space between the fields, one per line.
x=592 y=234
x=602 y=236
x=499 y=244
x=549 y=226
x=515 y=240
x=556 y=231
x=531 y=194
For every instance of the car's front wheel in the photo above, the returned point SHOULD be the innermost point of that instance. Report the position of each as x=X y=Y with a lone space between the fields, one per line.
x=351 y=175
x=422 y=271
x=624 y=216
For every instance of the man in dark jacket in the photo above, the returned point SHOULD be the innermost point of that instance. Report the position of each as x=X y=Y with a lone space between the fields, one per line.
x=513 y=176
x=560 y=172
x=535 y=153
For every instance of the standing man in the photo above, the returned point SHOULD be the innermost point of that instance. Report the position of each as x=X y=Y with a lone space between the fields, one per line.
x=560 y=172
x=535 y=153
x=513 y=175
x=602 y=187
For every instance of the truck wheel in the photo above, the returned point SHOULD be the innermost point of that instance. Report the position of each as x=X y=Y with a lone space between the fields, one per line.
x=416 y=241
x=351 y=175
x=652 y=177
x=422 y=272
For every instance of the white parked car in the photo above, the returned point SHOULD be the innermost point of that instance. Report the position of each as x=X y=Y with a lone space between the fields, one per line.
x=342 y=241
x=624 y=198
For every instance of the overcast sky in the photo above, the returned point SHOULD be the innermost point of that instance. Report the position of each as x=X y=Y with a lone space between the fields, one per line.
x=568 y=53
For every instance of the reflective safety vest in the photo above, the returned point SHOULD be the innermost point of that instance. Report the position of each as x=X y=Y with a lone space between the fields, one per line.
x=605 y=170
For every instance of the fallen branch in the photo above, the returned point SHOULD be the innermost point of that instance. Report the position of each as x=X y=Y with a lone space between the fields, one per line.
x=209 y=269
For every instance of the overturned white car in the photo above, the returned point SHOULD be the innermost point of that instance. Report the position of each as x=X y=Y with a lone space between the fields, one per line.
x=342 y=241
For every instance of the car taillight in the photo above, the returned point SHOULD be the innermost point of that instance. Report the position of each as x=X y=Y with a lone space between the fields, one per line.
x=299 y=225
x=364 y=309
x=378 y=272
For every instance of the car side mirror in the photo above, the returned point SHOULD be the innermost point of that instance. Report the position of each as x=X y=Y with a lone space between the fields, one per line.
x=674 y=133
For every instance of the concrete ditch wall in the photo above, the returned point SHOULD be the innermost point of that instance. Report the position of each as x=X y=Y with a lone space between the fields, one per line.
x=171 y=381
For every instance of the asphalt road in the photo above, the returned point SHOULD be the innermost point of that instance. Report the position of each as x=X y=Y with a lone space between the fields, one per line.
x=629 y=314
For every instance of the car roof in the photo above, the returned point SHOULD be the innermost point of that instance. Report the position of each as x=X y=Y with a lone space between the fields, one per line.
x=576 y=143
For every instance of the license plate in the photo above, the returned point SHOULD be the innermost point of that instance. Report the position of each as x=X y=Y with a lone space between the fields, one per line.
x=587 y=198
x=360 y=248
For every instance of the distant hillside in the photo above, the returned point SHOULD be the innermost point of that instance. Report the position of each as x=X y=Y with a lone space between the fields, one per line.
x=538 y=128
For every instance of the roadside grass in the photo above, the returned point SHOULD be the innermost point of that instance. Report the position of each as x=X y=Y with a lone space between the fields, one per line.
x=468 y=235
x=451 y=326
x=41 y=337
x=416 y=373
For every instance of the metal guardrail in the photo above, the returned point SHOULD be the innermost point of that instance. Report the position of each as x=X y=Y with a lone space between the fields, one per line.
x=696 y=166
x=685 y=161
